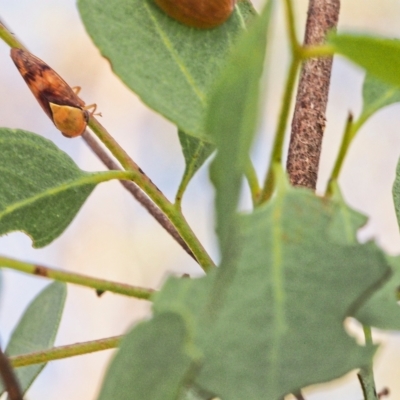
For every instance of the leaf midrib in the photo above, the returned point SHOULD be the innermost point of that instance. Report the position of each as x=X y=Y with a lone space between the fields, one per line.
x=169 y=46
x=52 y=191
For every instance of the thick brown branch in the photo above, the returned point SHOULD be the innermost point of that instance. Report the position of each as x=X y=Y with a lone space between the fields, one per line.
x=135 y=191
x=309 y=115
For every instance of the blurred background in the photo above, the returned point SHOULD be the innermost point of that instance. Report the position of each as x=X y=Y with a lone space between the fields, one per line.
x=114 y=238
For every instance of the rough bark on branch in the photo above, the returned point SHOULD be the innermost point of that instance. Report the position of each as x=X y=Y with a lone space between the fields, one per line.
x=308 y=122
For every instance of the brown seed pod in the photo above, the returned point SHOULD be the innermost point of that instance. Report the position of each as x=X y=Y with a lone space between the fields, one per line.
x=202 y=14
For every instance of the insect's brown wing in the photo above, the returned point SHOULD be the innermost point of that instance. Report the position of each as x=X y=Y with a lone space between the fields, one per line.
x=45 y=84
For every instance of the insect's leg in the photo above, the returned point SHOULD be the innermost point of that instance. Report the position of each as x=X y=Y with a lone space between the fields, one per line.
x=93 y=107
x=76 y=89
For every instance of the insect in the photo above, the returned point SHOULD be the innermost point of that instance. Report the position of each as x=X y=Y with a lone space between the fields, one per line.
x=59 y=101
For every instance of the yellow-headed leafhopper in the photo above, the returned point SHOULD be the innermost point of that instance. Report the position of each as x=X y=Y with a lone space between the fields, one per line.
x=58 y=100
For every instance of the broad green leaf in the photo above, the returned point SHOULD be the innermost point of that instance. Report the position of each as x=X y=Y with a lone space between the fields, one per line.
x=152 y=361
x=283 y=312
x=185 y=297
x=376 y=95
x=280 y=313
x=379 y=56
x=195 y=151
x=382 y=309
x=345 y=222
x=37 y=330
x=232 y=118
x=169 y=65
x=41 y=188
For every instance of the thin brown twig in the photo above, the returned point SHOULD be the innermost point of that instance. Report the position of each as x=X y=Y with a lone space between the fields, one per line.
x=135 y=191
x=309 y=115
x=9 y=379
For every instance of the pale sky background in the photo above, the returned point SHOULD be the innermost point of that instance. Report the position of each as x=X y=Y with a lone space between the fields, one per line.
x=113 y=237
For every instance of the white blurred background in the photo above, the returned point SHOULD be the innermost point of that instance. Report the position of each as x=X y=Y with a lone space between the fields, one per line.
x=114 y=238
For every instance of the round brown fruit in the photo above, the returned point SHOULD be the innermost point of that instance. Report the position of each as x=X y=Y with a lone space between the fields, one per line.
x=202 y=14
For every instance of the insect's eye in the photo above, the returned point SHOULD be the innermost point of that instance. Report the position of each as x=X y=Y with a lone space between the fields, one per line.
x=86 y=115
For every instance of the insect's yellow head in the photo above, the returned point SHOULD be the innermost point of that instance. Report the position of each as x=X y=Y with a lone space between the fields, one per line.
x=71 y=121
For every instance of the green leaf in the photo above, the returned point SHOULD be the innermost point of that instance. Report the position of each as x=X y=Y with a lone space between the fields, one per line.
x=41 y=188
x=382 y=309
x=279 y=311
x=283 y=312
x=37 y=330
x=345 y=222
x=396 y=192
x=379 y=56
x=195 y=151
x=376 y=95
x=232 y=118
x=169 y=65
x=152 y=361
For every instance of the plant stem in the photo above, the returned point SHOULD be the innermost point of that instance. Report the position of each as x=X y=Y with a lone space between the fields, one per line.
x=308 y=122
x=277 y=148
x=151 y=190
x=181 y=189
x=57 y=353
x=136 y=192
x=9 y=38
x=344 y=147
x=9 y=379
x=145 y=183
x=116 y=150
x=366 y=374
x=99 y=285
x=252 y=180
x=324 y=50
x=360 y=122
x=291 y=27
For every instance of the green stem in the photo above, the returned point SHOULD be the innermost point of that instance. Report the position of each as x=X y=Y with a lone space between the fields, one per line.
x=9 y=38
x=348 y=136
x=99 y=285
x=117 y=151
x=360 y=121
x=57 y=353
x=277 y=149
x=366 y=374
x=174 y=215
x=368 y=335
x=144 y=182
x=181 y=189
x=324 y=50
x=291 y=26
x=252 y=180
